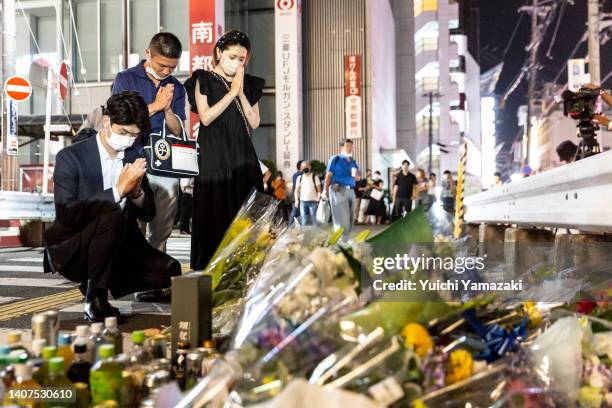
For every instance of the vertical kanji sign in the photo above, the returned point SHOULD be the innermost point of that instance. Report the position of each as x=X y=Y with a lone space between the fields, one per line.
x=206 y=25
x=352 y=96
x=288 y=59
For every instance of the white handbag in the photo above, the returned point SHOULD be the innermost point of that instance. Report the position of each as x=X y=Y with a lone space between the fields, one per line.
x=323 y=212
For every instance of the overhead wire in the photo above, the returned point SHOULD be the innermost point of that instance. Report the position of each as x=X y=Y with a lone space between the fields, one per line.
x=79 y=52
x=27 y=21
x=71 y=73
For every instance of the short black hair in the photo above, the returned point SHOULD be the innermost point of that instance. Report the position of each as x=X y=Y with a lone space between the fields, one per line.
x=497 y=174
x=566 y=150
x=432 y=175
x=299 y=164
x=128 y=108
x=166 y=44
x=405 y=161
x=447 y=172
x=345 y=141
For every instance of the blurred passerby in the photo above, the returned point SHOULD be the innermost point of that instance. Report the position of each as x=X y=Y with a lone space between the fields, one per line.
x=377 y=210
x=404 y=191
x=279 y=187
x=448 y=193
x=307 y=194
x=433 y=182
x=566 y=151
x=186 y=205
x=339 y=186
x=422 y=189
x=362 y=194
x=295 y=211
x=498 y=179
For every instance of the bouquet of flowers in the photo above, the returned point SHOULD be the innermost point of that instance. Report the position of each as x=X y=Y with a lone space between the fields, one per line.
x=244 y=247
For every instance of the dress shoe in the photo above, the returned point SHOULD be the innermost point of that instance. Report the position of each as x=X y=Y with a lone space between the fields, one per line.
x=97 y=310
x=155 y=296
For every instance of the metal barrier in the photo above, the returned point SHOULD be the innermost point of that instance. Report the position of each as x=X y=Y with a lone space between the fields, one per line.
x=26 y=206
x=576 y=196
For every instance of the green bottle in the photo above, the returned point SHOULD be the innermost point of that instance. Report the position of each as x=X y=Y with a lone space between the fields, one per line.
x=58 y=379
x=105 y=377
x=41 y=375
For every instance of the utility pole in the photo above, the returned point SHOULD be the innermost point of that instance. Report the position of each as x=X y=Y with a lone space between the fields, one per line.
x=533 y=70
x=9 y=170
x=593 y=23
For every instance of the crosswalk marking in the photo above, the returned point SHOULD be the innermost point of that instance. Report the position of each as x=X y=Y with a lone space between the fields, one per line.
x=21 y=268
x=128 y=308
x=35 y=260
x=37 y=283
x=39 y=304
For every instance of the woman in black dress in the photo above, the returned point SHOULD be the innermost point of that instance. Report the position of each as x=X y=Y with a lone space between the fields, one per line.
x=225 y=100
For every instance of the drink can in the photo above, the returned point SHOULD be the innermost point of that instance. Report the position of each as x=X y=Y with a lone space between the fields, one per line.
x=158 y=345
x=40 y=328
x=53 y=325
x=193 y=365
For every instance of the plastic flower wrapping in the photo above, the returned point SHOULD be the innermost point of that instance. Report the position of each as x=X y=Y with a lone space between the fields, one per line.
x=306 y=322
x=244 y=247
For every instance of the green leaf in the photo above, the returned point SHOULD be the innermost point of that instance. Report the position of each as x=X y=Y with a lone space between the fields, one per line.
x=413 y=228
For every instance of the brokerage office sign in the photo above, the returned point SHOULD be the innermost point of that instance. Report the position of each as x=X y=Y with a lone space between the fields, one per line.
x=352 y=96
x=206 y=25
x=12 y=143
x=288 y=58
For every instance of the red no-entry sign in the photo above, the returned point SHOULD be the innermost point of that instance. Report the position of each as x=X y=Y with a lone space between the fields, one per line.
x=18 y=88
x=63 y=81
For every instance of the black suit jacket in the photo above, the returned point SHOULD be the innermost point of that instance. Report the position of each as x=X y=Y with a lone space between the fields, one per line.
x=80 y=198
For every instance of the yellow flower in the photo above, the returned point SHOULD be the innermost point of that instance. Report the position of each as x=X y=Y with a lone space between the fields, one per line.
x=535 y=317
x=418 y=404
x=416 y=335
x=460 y=366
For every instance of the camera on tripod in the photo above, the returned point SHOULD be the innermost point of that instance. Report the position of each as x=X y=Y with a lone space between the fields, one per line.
x=582 y=106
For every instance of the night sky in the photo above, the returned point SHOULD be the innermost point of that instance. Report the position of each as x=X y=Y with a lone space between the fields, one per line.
x=498 y=21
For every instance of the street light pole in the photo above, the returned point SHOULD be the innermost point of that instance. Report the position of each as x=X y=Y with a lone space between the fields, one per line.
x=430 y=142
x=533 y=70
x=593 y=23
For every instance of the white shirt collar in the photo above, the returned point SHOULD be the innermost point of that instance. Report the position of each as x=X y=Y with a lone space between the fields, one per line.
x=104 y=153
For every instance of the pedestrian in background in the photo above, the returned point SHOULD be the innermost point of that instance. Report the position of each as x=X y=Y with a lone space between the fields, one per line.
x=186 y=205
x=404 y=191
x=377 y=210
x=295 y=211
x=448 y=193
x=165 y=96
x=362 y=195
x=431 y=193
x=307 y=194
x=422 y=189
x=339 y=186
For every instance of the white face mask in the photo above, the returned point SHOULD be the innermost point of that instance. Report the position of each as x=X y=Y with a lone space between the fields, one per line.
x=151 y=72
x=230 y=67
x=118 y=142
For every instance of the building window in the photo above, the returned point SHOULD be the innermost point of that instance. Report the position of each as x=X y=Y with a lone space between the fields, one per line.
x=426 y=44
x=143 y=26
x=423 y=124
x=110 y=39
x=86 y=16
x=421 y=6
x=174 y=18
x=428 y=84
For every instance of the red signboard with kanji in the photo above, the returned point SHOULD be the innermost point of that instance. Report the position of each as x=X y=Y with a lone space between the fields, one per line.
x=206 y=25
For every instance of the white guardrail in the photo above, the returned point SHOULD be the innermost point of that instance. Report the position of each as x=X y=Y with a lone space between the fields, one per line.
x=576 y=196
x=21 y=206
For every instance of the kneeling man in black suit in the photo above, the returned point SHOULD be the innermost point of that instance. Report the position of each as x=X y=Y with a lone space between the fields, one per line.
x=101 y=189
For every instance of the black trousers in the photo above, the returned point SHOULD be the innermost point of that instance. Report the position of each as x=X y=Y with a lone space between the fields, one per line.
x=186 y=209
x=114 y=255
x=401 y=205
